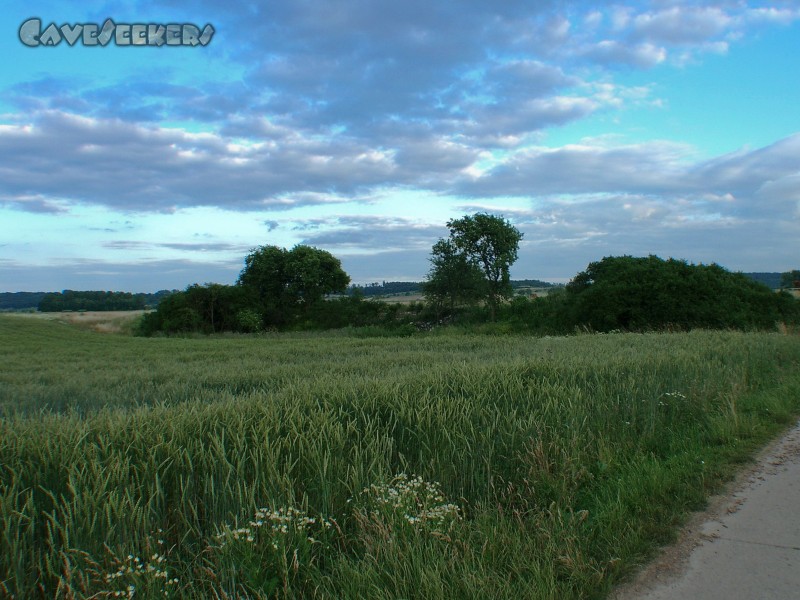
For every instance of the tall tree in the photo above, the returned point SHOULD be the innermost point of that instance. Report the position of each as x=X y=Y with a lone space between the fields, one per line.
x=452 y=279
x=264 y=272
x=312 y=273
x=491 y=244
x=288 y=281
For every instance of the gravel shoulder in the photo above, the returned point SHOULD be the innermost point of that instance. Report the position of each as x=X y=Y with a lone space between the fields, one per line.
x=746 y=544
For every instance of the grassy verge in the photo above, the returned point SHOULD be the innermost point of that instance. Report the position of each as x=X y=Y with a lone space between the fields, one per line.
x=435 y=466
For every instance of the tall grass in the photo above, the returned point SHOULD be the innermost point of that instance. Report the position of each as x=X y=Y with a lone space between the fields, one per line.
x=285 y=465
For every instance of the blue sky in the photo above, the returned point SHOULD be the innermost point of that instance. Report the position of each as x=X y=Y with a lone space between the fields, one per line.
x=362 y=126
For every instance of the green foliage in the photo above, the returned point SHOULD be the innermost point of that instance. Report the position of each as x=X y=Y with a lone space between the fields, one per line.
x=312 y=274
x=651 y=293
x=209 y=308
x=478 y=244
x=771 y=280
x=277 y=288
x=20 y=300
x=453 y=279
x=290 y=282
x=265 y=275
x=94 y=301
x=273 y=553
x=534 y=316
x=248 y=321
x=216 y=309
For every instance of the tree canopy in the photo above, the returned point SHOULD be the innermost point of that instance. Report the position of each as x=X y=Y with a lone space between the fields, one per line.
x=452 y=279
x=630 y=293
x=478 y=244
x=208 y=308
x=287 y=289
x=286 y=281
x=276 y=288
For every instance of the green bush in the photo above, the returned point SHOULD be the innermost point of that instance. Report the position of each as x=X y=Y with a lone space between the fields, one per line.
x=637 y=294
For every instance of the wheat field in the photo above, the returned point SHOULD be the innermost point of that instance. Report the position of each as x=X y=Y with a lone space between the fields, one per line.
x=444 y=465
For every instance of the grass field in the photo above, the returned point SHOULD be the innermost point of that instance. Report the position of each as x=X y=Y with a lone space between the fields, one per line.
x=442 y=465
x=121 y=321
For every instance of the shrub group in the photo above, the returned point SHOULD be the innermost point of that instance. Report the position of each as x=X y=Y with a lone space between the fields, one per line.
x=630 y=293
x=617 y=293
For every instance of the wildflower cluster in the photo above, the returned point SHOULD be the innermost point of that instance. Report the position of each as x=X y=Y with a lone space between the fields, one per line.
x=417 y=502
x=272 y=550
x=148 y=576
x=276 y=525
x=677 y=396
x=678 y=407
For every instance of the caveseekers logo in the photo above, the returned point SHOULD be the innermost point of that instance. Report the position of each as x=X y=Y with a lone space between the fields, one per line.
x=122 y=34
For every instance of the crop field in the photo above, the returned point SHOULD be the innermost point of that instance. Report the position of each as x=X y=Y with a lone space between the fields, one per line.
x=443 y=465
x=100 y=321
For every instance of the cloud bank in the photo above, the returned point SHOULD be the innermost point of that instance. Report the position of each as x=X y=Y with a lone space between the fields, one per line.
x=309 y=117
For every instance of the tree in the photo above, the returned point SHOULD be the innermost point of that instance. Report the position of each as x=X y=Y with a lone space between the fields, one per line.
x=790 y=279
x=264 y=274
x=91 y=300
x=490 y=243
x=286 y=282
x=313 y=273
x=218 y=306
x=174 y=315
x=452 y=279
x=209 y=308
x=630 y=293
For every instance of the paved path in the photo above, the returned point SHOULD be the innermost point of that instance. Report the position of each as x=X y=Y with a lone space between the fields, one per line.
x=747 y=546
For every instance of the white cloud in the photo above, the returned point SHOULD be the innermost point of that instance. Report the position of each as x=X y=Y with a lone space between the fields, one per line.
x=642 y=55
x=587 y=169
x=681 y=24
x=620 y=17
x=770 y=15
x=593 y=19
x=112 y=163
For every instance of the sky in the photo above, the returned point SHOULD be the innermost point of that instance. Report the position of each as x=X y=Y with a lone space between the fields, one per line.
x=362 y=126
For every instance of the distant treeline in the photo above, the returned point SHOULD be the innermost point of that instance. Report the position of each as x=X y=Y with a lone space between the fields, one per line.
x=531 y=283
x=70 y=300
x=617 y=293
x=386 y=288
x=395 y=288
x=771 y=280
x=20 y=300
x=31 y=300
